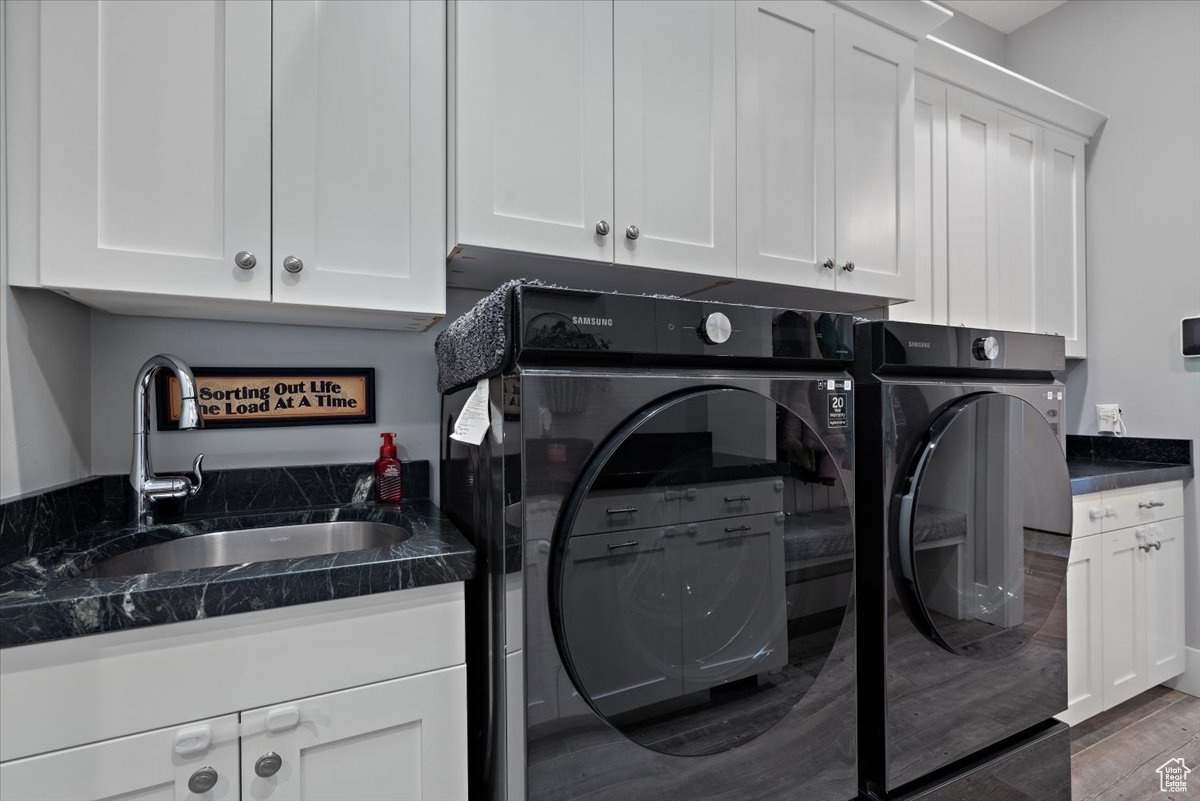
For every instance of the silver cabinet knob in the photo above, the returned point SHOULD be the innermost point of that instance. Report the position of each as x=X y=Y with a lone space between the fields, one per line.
x=245 y=259
x=848 y=266
x=202 y=780
x=1157 y=545
x=292 y=264
x=829 y=264
x=632 y=232
x=268 y=765
x=602 y=228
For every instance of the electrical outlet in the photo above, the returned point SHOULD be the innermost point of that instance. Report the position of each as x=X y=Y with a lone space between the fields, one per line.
x=1108 y=419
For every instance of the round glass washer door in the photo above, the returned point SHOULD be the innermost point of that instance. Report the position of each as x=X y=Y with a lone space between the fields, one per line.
x=703 y=569
x=984 y=529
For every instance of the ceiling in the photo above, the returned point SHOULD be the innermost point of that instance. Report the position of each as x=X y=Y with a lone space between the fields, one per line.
x=1003 y=15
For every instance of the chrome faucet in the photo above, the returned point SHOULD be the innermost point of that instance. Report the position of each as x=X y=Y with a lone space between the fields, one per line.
x=148 y=487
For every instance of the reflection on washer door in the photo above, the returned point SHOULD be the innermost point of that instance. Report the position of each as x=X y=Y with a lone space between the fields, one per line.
x=990 y=533
x=707 y=571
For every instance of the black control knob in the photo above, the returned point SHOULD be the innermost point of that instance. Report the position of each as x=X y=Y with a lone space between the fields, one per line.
x=986 y=349
x=715 y=328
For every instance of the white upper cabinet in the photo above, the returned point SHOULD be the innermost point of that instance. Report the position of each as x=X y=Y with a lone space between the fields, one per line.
x=155 y=147
x=359 y=184
x=765 y=141
x=534 y=127
x=192 y=152
x=1063 y=307
x=1016 y=282
x=972 y=247
x=874 y=160
x=785 y=131
x=929 y=209
x=674 y=133
x=1012 y=217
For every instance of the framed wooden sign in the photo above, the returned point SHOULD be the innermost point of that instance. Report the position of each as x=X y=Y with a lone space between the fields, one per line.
x=256 y=397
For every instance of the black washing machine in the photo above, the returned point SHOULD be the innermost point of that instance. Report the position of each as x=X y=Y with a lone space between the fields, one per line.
x=663 y=507
x=963 y=506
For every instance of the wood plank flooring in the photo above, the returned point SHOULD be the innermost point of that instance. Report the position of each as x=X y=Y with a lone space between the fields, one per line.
x=1114 y=755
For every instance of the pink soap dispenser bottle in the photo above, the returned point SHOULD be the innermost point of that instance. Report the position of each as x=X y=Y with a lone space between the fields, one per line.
x=388 y=486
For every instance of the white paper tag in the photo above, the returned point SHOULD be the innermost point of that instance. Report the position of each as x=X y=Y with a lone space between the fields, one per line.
x=475 y=418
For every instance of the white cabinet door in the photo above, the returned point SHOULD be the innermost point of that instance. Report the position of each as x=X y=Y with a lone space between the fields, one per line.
x=394 y=741
x=155 y=147
x=1165 y=603
x=675 y=123
x=1063 y=307
x=1085 y=586
x=785 y=143
x=874 y=163
x=971 y=141
x=1123 y=567
x=152 y=766
x=534 y=121
x=358 y=144
x=1015 y=287
x=929 y=211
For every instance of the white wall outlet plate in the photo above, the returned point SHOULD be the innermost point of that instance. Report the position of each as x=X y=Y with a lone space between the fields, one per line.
x=1108 y=419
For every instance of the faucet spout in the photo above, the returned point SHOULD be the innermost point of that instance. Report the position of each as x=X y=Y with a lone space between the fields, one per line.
x=146 y=486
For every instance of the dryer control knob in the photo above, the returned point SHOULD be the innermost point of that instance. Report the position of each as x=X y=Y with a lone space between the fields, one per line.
x=715 y=328
x=986 y=349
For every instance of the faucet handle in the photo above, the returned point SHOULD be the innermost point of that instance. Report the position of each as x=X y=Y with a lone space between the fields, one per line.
x=197 y=466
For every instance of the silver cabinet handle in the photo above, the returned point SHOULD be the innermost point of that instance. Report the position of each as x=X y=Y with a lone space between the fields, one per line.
x=602 y=228
x=203 y=780
x=848 y=266
x=732 y=529
x=293 y=264
x=829 y=264
x=245 y=259
x=623 y=510
x=629 y=544
x=736 y=498
x=268 y=765
x=1150 y=505
x=1157 y=545
x=632 y=232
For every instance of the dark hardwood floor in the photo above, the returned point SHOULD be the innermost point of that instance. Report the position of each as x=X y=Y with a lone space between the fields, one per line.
x=1115 y=754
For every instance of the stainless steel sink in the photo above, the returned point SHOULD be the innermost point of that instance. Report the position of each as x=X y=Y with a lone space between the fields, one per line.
x=226 y=548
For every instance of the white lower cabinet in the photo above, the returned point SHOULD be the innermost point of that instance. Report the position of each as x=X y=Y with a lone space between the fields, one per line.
x=1125 y=600
x=398 y=740
x=1085 y=588
x=154 y=765
x=359 y=698
x=391 y=741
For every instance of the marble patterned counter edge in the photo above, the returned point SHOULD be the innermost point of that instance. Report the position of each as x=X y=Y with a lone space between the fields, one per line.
x=1097 y=463
x=1088 y=478
x=42 y=598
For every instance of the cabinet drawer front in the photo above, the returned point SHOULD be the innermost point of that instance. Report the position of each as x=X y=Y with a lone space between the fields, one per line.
x=1087 y=515
x=1134 y=506
x=729 y=499
x=621 y=510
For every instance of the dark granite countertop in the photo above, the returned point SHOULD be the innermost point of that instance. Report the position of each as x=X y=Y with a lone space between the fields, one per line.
x=43 y=597
x=1096 y=464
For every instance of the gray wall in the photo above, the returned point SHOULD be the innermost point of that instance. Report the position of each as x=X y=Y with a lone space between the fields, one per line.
x=973 y=36
x=1140 y=64
x=406 y=400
